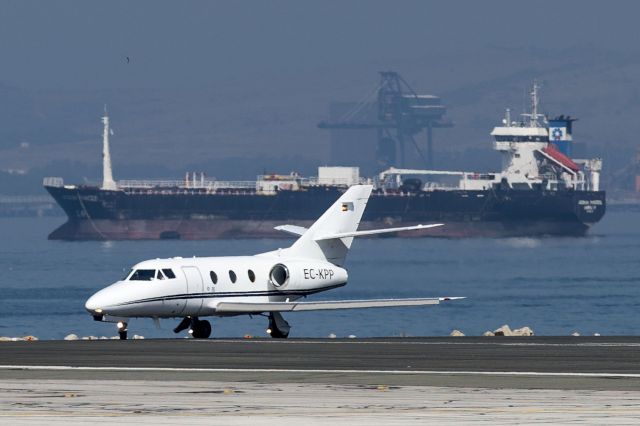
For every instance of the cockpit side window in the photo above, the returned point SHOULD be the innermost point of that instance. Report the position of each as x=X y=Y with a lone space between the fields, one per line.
x=169 y=273
x=160 y=275
x=128 y=274
x=143 y=275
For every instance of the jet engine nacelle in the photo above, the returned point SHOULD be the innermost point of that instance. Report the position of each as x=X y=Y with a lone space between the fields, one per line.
x=299 y=275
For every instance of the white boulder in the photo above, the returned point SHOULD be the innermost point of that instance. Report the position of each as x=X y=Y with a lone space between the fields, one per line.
x=505 y=330
x=524 y=331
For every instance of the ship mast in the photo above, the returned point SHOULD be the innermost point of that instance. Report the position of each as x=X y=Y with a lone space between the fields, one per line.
x=108 y=183
x=533 y=117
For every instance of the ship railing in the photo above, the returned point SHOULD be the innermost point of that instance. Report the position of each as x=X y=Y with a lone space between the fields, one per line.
x=315 y=181
x=207 y=184
x=311 y=181
x=439 y=186
x=234 y=184
x=151 y=183
x=55 y=182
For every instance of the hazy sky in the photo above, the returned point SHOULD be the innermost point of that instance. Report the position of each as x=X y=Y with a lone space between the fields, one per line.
x=84 y=44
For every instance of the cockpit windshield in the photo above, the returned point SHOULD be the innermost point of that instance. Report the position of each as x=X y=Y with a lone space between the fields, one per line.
x=143 y=275
x=149 y=274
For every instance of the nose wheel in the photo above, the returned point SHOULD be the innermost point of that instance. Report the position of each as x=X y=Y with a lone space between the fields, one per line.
x=122 y=330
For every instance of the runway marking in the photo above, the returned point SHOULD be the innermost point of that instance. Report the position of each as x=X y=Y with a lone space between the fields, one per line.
x=315 y=371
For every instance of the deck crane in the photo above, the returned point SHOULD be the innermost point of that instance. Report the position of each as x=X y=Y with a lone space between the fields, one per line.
x=401 y=114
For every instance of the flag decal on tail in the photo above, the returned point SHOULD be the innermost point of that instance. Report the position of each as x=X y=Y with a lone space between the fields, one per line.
x=346 y=207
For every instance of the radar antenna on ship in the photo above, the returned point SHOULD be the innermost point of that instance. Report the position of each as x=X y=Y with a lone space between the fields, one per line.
x=108 y=183
x=533 y=116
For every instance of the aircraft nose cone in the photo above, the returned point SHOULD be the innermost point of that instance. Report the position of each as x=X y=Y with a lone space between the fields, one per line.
x=93 y=304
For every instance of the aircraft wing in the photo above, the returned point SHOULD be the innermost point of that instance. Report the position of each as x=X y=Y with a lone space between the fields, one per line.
x=250 y=307
x=375 y=231
x=291 y=229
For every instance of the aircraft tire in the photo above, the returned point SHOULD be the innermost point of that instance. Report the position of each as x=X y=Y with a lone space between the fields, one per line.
x=277 y=334
x=201 y=329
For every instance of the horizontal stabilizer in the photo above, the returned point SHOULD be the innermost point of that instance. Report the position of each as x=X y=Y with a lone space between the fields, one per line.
x=375 y=231
x=246 y=307
x=291 y=229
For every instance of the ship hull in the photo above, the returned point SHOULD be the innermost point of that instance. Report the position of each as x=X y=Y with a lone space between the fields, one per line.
x=95 y=214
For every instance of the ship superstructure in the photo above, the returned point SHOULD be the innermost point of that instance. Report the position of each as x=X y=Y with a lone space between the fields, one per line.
x=535 y=155
x=540 y=190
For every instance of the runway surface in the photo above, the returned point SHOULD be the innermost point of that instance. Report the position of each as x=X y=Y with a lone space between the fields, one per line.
x=493 y=381
x=607 y=363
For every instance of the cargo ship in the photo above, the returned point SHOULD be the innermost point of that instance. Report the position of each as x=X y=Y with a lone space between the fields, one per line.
x=540 y=191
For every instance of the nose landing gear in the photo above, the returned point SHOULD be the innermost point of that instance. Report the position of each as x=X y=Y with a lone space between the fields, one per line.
x=122 y=330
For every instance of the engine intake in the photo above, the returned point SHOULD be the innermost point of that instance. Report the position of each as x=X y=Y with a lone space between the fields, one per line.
x=279 y=275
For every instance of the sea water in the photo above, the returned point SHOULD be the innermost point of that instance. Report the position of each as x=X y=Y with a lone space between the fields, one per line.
x=556 y=286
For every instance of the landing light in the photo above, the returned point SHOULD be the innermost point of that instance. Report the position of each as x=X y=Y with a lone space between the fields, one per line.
x=268 y=331
x=190 y=331
x=120 y=325
x=98 y=310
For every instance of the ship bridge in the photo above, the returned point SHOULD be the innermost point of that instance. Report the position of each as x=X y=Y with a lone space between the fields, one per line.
x=537 y=151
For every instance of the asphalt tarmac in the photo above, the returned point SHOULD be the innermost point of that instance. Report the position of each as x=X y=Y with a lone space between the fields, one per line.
x=600 y=363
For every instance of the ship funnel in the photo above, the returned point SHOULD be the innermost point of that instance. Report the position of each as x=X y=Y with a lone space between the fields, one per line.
x=107 y=174
x=560 y=133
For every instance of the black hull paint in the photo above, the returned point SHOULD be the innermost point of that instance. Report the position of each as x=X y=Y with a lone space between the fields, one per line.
x=192 y=214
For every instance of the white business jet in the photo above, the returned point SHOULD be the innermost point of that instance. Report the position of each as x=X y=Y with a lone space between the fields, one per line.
x=264 y=284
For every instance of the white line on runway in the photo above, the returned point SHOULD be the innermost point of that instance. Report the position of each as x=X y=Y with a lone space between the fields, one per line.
x=315 y=371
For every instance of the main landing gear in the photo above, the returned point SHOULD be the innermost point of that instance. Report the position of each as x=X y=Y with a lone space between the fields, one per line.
x=199 y=329
x=278 y=326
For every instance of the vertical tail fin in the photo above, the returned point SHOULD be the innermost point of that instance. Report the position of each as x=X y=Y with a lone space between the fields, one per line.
x=342 y=217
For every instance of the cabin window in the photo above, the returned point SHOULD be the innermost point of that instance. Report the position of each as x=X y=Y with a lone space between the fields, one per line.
x=143 y=275
x=232 y=276
x=214 y=277
x=252 y=276
x=169 y=273
x=160 y=275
